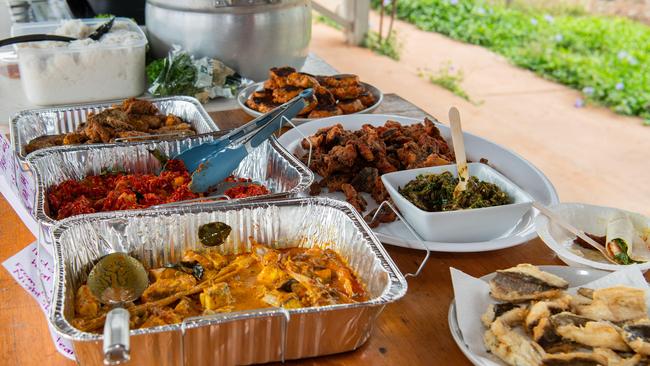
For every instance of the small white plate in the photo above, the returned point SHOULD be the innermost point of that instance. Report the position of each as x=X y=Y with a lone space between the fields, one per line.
x=514 y=167
x=575 y=277
x=246 y=92
x=589 y=218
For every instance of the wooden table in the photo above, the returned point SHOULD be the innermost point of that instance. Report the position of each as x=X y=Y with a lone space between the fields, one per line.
x=413 y=331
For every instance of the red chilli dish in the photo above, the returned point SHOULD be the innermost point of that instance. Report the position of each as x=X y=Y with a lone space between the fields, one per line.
x=114 y=191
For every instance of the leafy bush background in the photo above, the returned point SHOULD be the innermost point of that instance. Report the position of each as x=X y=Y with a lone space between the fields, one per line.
x=608 y=58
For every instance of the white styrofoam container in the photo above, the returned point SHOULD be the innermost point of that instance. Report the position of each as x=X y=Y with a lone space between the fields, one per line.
x=460 y=226
x=60 y=73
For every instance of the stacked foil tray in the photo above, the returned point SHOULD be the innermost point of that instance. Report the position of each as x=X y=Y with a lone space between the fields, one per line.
x=159 y=235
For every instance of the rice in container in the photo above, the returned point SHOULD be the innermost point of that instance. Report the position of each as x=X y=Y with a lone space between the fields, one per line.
x=82 y=70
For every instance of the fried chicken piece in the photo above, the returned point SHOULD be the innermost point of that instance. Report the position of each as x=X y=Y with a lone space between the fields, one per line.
x=324 y=96
x=278 y=77
x=161 y=316
x=138 y=106
x=340 y=158
x=341 y=80
x=347 y=92
x=367 y=99
x=261 y=101
x=365 y=180
x=385 y=215
x=324 y=112
x=334 y=182
x=378 y=192
x=315 y=189
x=302 y=80
x=353 y=197
x=86 y=305
x=351 y=106
x=130 y=135
x=43 y=142
x=168 y=286
x=170 y=120
x=74 y=138
x=283 y=95
x=312 y=103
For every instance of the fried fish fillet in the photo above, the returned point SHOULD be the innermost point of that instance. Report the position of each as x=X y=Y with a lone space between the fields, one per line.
x=512 y=347
x=616 y=304
x=525 y=282
x=637 y=336
x=509 y=312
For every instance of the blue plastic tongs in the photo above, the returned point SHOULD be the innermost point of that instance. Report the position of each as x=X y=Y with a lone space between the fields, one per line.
x=214 y=161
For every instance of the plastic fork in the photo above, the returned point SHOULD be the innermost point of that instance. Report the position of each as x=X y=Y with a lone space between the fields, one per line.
x=214 y=161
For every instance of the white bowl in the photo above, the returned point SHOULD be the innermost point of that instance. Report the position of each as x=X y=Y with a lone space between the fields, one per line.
x=460 y=226
x=589 y=218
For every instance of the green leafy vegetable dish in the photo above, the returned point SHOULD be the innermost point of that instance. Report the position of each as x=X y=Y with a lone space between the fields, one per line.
x=435 y=192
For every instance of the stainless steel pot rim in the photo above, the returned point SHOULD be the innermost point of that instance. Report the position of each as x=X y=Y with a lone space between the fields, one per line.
x=395 y=289
x=219 y=6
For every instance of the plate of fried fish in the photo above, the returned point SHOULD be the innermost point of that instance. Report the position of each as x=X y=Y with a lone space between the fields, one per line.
x=334 y=95
x=350 y=153
x=552 y=315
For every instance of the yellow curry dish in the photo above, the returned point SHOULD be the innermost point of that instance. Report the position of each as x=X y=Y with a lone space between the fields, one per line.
x=206 y=282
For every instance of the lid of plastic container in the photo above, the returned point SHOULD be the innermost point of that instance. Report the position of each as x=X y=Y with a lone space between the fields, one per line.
x=49 y=27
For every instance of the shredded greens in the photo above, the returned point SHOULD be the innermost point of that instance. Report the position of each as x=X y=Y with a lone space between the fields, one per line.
x=435 y=192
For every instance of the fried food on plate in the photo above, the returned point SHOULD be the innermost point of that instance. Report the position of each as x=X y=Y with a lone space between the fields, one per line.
x=335 y=95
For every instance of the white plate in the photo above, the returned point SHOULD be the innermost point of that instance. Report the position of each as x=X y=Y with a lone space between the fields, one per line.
x=508 y=163
x=246 y=92
x=589 y=218
x=575 y=277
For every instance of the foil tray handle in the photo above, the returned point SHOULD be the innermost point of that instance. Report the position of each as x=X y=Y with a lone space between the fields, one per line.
x=222 y=318
x=408 y=226
x=117 y=350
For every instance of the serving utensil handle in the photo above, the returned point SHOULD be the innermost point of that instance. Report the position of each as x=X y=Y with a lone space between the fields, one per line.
x=459 y=147
x=116 y=346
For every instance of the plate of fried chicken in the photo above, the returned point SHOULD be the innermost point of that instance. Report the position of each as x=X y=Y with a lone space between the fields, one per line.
x=334 y=95
x=350 y=153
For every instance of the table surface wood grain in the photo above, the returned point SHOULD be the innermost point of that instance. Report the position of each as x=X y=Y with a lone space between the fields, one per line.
x=412 y=331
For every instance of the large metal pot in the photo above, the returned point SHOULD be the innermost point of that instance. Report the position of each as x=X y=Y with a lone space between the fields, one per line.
x=251 y=36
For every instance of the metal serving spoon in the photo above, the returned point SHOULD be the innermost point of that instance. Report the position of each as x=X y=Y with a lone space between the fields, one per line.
x=96 y=35
x=115 y=280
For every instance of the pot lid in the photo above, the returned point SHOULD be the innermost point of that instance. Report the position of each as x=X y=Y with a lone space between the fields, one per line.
x=216 y=5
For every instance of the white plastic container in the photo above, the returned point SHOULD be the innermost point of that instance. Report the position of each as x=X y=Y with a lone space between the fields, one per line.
x=85 y=70
x=478 y=224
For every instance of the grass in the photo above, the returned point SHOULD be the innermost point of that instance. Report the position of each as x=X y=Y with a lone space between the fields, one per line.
x=388 y=46
x=608 y=58
x=448 y=78
x=322 y=19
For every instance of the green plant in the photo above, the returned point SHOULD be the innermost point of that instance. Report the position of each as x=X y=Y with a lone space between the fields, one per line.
x=606 y=57
x=447 y=77
x=389 y=46
x=322 y=19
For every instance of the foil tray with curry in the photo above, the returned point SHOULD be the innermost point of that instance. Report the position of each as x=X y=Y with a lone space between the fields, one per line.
x=206 y=282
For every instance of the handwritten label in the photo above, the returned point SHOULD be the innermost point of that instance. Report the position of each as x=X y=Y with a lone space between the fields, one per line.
x=35 y=273
x=11 y=169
